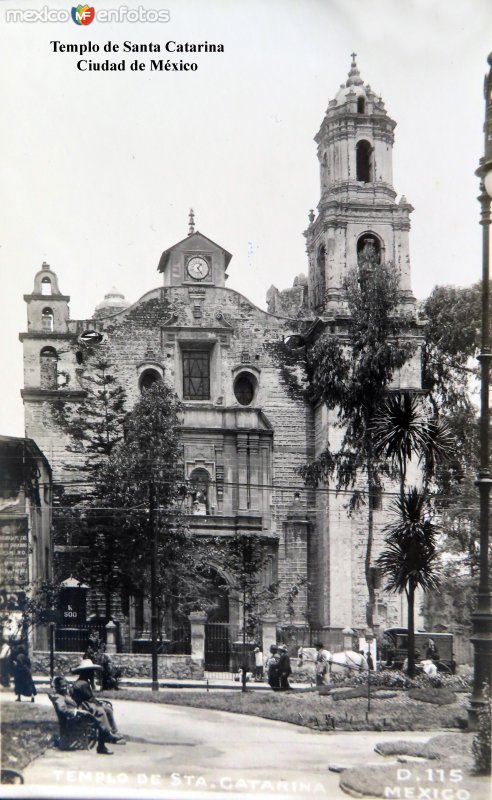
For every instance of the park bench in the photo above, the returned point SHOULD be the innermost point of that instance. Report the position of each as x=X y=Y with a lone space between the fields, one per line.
x=76 y=733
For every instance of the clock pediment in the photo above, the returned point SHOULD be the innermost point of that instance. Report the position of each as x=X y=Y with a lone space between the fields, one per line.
x=195 y=260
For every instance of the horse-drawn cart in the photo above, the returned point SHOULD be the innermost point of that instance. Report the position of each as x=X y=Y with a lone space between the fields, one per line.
x=397 y=652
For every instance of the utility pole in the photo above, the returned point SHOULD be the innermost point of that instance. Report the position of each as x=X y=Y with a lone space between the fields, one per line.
x=482 y=615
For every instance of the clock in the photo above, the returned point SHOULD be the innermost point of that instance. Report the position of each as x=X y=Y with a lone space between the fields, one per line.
x=197 y=268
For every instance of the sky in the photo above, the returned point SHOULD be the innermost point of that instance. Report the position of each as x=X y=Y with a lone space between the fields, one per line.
x=98 y=169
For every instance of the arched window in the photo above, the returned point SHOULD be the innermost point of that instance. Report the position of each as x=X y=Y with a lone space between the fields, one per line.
x=200 y=482
x=46 y=287
x=48 y=358
x=364 y=161
x=361 y=105
x=47 y=319
x=148 y=378
x=244 y=388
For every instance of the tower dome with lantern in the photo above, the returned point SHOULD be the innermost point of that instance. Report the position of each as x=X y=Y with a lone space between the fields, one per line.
x=358 y=214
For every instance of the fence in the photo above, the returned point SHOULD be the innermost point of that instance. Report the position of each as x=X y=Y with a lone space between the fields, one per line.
x=76 y=640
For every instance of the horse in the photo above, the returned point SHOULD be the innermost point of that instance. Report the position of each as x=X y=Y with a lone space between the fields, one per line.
x=344 y=662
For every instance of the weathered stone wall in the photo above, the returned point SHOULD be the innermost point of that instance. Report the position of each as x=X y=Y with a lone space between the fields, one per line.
x=133 y=666
x=252 y=448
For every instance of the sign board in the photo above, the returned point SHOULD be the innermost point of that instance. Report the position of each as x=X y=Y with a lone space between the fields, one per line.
x=73 y=606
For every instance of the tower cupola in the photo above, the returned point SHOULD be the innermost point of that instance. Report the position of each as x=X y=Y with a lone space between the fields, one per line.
x=357 y=211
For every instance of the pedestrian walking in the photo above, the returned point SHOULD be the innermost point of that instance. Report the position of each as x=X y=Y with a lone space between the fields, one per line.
x=23 y=682
x=272 y=667
x=258 y=664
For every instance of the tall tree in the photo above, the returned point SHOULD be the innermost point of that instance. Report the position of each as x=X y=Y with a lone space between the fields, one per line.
x=85 y=516
x=404 y=431
x=143 y=480
x=351 y=375
x=410 y=558
x=451 y=344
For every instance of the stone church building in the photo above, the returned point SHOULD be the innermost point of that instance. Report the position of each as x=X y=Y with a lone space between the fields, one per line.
x=245 y=434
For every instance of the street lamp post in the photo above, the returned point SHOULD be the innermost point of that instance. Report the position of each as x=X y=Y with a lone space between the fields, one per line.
x=482 y=616
x=369 y=637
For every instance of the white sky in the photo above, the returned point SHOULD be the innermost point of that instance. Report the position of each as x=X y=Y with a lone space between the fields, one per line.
x=98 y=170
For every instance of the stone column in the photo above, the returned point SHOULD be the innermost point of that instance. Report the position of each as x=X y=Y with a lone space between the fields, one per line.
x=254 y=470
x=110 y=637
x=242 y=470
x=269 y=632
x=197 y=620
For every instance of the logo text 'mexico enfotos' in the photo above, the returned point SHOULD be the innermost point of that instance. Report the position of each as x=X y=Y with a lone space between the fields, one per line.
x=83 y=14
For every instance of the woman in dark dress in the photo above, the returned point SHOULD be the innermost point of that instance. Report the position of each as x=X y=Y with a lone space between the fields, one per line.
x=23 y=682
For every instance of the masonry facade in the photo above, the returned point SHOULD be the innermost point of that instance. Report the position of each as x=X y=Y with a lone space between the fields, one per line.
x=25 y=531
x=245 y=432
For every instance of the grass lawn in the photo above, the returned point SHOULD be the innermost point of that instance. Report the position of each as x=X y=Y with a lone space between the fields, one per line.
x=27 y=730
x=320 y=712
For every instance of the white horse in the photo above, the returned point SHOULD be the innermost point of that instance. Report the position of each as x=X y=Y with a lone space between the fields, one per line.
x=345 y=662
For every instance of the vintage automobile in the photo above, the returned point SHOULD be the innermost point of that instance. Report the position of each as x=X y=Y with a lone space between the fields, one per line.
x=397 y=651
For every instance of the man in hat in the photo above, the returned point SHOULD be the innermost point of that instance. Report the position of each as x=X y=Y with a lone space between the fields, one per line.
x=67 y=707
x=87 y=671
x=83 y=695
x=322 y=663
x=284 y=668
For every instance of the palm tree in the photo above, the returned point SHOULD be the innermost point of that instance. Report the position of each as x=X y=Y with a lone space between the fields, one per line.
x=410 y=557
x=403 y=431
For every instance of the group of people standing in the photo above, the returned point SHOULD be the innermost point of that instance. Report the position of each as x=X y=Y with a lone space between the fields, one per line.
x=279 y=668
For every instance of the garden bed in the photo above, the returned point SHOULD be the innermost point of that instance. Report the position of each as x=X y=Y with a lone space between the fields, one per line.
x=320 y=712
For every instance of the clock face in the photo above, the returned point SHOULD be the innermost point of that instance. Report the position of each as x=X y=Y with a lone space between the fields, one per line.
x=197 y=268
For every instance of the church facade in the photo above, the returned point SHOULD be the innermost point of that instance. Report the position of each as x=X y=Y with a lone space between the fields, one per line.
x=245 y=432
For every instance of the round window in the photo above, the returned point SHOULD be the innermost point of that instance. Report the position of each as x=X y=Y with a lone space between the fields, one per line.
x=148 y=378
x=244 y=389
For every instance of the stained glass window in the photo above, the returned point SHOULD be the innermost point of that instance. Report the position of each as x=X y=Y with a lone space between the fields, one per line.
x=196 y=375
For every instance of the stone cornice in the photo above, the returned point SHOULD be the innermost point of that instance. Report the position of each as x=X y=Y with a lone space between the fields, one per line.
x=52 y=335
x=48 y=394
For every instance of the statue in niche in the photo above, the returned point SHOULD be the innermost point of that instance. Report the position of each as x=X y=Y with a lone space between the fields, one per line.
x=368 y=256
x=200 y=504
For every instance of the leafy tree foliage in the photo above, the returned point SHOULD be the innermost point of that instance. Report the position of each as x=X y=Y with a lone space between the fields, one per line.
x=451 y=344
x=95 y=426
x=244 y=559
x=403 y=431
x=143 y=482
x=81 y=519
x=351 y=375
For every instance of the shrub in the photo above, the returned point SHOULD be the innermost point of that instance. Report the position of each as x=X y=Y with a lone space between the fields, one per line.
x=429 y=694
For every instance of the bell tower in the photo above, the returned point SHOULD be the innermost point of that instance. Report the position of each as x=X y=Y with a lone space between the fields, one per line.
x=359 y=221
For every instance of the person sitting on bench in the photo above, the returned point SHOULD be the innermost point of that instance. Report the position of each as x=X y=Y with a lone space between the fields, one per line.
x=66 y=707
x=83 y=695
